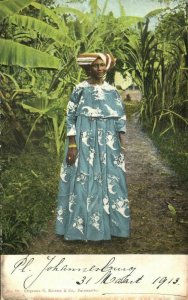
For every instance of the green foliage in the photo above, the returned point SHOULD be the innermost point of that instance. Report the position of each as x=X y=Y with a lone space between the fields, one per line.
x=38 y=58
x=71 y=11
x=29 y=193
x=158 y=67
x=51 y=15
x=155 y=12
x=9 y=7
x=173 y=147
x=15 y=54
x=172 y=210
x=42 y=28
x=46 y=103
x=156 y=63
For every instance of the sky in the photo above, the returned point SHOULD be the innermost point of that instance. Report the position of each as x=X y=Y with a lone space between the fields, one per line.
x=132 y=7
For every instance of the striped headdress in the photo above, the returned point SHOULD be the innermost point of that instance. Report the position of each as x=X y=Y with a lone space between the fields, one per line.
x=86 y=59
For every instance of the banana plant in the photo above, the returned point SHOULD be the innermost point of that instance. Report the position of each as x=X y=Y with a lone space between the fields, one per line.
x=15 y=54
x=46 y=107
x=9 y=7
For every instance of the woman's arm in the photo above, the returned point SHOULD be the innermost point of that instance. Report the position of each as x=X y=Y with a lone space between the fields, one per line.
x=71 y=127
x=121 y=129
x=72 y=151
x=121 y=122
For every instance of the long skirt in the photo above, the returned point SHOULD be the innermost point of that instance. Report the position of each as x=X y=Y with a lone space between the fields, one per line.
x=92 y=199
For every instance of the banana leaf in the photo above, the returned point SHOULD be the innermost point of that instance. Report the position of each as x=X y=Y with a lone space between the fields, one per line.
x=39 y=26
x=51 y=14
x=16 y=54
x=10 y=7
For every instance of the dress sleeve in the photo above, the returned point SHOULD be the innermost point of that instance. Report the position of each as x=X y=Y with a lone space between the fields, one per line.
x=121 y=120
x=121 y=124
x=71 y=111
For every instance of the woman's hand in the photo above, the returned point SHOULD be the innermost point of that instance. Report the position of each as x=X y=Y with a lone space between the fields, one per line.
x=71 y=156
x=72 y=151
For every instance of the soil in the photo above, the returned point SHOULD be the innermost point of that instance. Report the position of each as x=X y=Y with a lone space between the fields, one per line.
x=158 y=208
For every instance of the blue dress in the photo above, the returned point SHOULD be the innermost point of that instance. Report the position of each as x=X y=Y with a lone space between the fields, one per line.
x=92 y=199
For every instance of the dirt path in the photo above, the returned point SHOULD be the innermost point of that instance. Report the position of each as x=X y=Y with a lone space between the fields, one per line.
x=152 y=186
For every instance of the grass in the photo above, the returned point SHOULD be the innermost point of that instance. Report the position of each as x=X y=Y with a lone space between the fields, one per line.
x=173 y=148
x=172 y=145
x=29 y=184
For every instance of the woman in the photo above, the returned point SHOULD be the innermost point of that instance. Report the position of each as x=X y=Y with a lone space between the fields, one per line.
x=92 y=199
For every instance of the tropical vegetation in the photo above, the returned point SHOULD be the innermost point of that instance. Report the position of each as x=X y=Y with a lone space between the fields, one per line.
x=39 y=45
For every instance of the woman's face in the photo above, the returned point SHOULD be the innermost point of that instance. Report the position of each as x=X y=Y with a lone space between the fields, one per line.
x=97 y=69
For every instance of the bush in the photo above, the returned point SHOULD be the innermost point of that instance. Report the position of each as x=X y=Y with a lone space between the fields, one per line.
x=29 y=186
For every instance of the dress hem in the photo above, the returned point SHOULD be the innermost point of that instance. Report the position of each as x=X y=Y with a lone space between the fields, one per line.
x=94 y=240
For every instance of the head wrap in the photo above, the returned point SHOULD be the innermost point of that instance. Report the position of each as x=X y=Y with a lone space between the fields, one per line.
x=86 y=59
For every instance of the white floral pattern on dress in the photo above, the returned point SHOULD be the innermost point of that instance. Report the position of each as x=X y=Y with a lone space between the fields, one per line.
x=123 y=118
x=106 y=204
x=71 y=106
x=82 y=178
x=60 y=214
x=92 y=112
x=112 y=112
x=103 y=158
x=98 y=178
x=95 y=218
x=100 y=136
x=82 y=84
x=85 y=137
x=119 y=161
x=110 y=140
x=98 y=93
x=114 y=222
x=72 y=201
x=120 y=205
x=79 y=224
x=93 y=190
x=81 y=100
x=89 y=201
x=106 y=86
x=63 y=173
x=91 y=156
x=112 y=181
